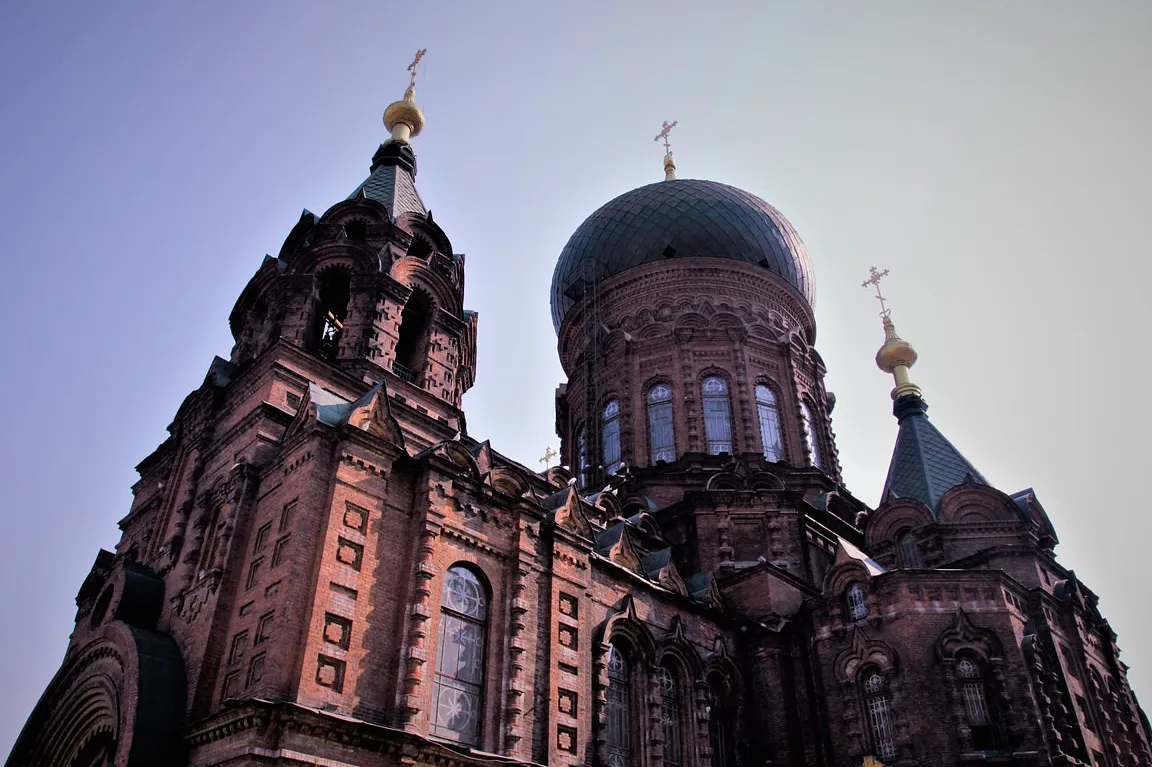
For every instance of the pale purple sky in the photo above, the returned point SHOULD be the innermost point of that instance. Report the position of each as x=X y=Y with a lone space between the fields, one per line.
x=994 y=156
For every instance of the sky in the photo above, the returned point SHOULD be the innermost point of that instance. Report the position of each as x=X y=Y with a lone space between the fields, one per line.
x=994 y=156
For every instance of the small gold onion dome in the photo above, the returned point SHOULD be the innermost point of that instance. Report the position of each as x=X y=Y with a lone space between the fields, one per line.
x=405 y=111
x=896 y=352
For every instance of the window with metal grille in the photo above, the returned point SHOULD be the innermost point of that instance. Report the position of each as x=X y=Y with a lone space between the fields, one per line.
x=661 y=430
x=974 y=693
x=877 y=702
x=581 y=456
x=670 y=717
x=857 y=601
x=810 y=435
x=610 y=432
x=457 y=693
x=909 y=551
x=721 y=716
x=619 y=709
x=770 y=436
x=717 y=416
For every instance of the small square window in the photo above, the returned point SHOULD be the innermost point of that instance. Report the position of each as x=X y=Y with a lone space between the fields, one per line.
x=256 y=669
x=231 y=685
x=253 y=573
x=280 y=551
x=264 y=628
x=287 y=516
x=239 y=648
x=292 y=399
x=262 y=538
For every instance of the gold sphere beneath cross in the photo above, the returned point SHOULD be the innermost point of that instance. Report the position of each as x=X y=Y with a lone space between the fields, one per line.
x=894 y=353
x=406 y=112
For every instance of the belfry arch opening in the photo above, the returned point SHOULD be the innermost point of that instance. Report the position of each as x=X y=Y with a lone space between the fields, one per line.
x=332 y=311
x=412 y=344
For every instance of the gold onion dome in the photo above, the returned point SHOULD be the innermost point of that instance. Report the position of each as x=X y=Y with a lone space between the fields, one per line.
x=404 y=112
x=895 y=352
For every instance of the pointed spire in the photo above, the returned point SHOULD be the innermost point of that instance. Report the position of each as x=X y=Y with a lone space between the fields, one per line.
x=404 y=119
x=669 y=162
x=896 y=356
x=925 y=465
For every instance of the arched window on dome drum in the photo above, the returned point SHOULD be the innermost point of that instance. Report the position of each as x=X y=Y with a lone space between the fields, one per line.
x=769 y=423
x=810 y=435
x=661 y=430
x=581 y=456
x=457 y=699
x=717 y=416
x=670 y=717
x=721 y=719
x=879 y=708
x=974 y=692
x=909 y=551
x=610 y=433
x=619 y=709
x=857 y=601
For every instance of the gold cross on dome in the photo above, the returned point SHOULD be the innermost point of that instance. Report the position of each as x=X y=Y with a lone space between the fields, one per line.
x=415 y=63
x=874 y=277
x=549 y=454
x=663 y=134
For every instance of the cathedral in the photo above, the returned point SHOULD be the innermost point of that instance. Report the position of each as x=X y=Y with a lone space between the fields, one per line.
x=322 y=566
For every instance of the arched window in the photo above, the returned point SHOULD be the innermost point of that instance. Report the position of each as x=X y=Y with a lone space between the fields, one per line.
x=581 y=456
x=460 y=657
x=857 y=601
x=909 y=551
x=670 y=717
x=661 y=431
x=769 y=417
x=810 y=435
x=721 y=720
x=973 y=691
x=415 y=321
x=878 y=705
x=619 y=709
x=717 y=416
x=335 y=289
x=610 y=432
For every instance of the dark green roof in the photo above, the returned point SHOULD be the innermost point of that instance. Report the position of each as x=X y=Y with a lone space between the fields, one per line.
x=392 y=181
x=925 y=465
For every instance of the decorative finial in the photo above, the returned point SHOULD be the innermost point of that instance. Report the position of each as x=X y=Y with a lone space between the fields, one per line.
x=549 y=454
x=403 y=118
x=896 y=356
x=669 y=163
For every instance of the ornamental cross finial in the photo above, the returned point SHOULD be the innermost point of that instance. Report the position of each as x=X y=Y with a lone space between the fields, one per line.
x=874 y=277
x=415 y=63
x=549 y=454
x=663 y=134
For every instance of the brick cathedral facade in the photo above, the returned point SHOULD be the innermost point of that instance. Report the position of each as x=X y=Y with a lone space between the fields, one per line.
x=321 y=566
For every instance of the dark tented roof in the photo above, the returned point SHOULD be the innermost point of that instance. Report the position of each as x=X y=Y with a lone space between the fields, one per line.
x=393 y=187
x=676 y=219
x=925 y=465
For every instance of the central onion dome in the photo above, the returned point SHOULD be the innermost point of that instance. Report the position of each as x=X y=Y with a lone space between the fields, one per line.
x=678 y=219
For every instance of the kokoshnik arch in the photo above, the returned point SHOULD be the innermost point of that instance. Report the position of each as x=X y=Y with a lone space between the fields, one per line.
x=320 y=565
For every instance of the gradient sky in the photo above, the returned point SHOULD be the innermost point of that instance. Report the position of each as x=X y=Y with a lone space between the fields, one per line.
x=995 y=156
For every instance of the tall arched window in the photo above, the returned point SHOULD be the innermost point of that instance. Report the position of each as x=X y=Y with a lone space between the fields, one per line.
x=717 y=416
x=460 y=657
x=810 y=435
x=973 y=691
x=878 y=705
x=857 y=601
x=335 y=289
x=769 y=417
x=581 y=456
x=619 y=709
x=670 y=717
x=415 y=322
x=610 y=432
x=721 y=720
x=908 y=551
x=661 y=432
